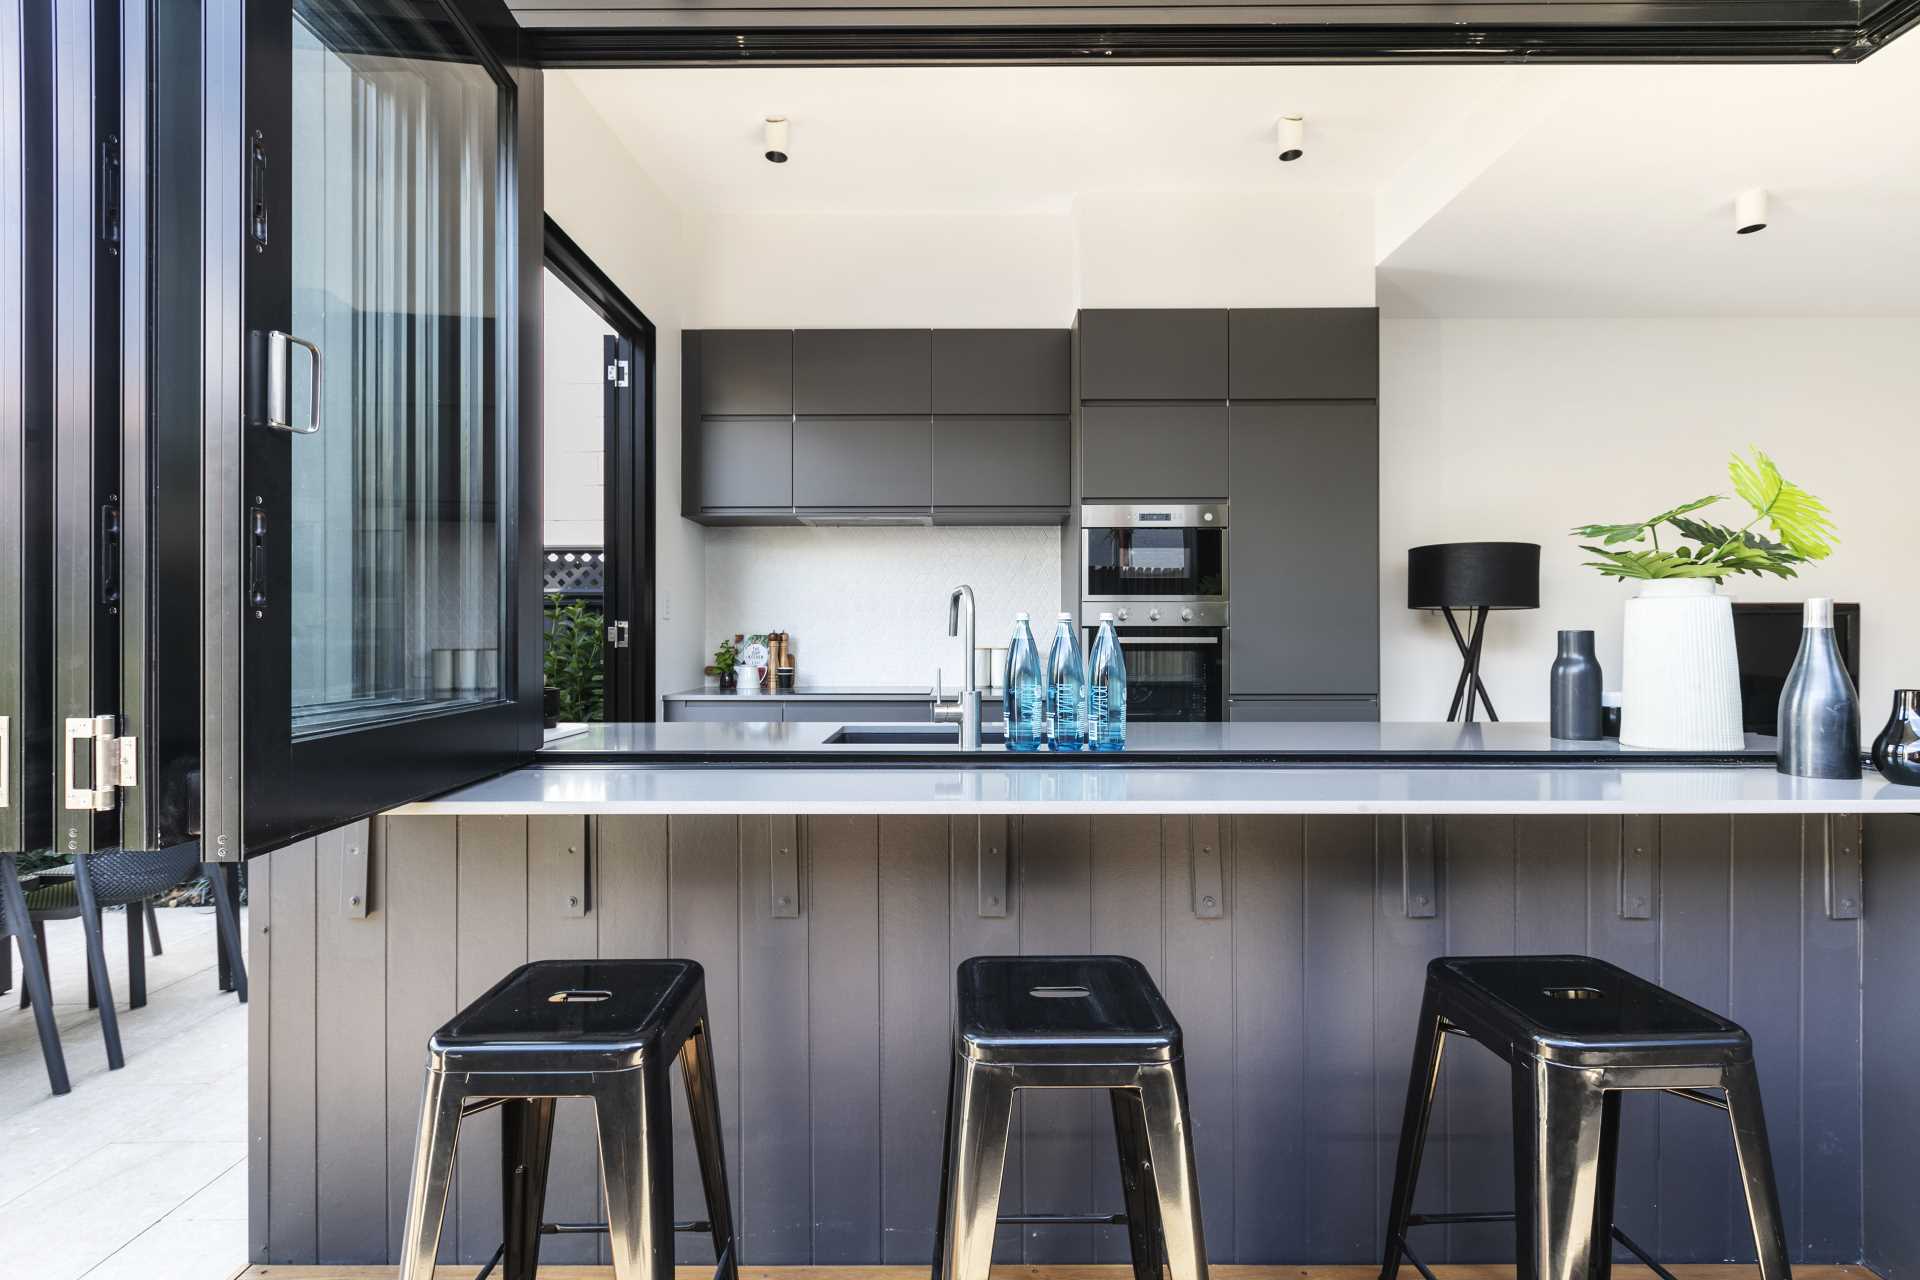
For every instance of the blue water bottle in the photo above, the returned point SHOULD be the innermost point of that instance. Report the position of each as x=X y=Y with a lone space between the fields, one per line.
x=1066 y=689
x=1107 y=691
x=1024 y=699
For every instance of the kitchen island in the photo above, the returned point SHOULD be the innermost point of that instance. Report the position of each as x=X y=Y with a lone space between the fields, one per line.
x=1286 y=885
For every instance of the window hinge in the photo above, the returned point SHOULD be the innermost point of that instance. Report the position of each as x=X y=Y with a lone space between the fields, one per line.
x=617 y=634
x=620 y=373
x=112 y=765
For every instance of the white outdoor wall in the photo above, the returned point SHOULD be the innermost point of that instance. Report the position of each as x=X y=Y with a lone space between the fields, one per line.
x=574 y=423
x=599 y=194
x=1520 y=429
x=869 y=606
x=1200 y=249
x=823 y=270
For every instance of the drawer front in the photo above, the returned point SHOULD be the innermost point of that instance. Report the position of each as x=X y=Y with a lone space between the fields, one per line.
x=816 y=711
x=755 y=711
x=1153 y=451
x=1153 y=355
x=1297 y=710
x=862 y=371
x=863 y=463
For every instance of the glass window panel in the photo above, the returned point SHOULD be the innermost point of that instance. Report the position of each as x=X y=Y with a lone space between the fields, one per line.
x=398 y=552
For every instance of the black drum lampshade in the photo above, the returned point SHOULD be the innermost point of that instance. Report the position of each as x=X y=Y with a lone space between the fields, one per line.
x=1478 y=576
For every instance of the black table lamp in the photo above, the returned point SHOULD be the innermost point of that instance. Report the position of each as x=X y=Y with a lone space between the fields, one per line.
x=1481 y=576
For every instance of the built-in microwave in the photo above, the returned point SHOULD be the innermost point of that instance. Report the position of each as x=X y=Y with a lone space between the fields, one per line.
x=1142 y=557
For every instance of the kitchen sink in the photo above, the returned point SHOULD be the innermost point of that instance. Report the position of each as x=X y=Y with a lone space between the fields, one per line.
x=900 y=735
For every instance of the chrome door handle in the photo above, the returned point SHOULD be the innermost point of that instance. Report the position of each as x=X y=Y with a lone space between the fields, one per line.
x=279 y=414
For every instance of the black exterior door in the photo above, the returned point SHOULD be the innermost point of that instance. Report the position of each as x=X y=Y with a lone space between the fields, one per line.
x=387 y=580
x=26 y=428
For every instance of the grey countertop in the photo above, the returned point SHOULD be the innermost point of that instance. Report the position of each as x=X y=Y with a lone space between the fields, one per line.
x=1308 y=742
x=1507 y=768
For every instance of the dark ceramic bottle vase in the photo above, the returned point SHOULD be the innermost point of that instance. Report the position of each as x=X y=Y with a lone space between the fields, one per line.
x=1896 y=752
x=1575 y=695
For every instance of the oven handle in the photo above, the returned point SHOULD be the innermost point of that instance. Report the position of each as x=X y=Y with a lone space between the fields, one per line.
x=1169 y=640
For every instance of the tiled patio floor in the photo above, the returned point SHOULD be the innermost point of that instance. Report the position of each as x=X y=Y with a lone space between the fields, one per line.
x=138 y=1174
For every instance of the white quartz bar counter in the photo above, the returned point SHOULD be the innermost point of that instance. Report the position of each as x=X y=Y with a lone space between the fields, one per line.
x=804 y=789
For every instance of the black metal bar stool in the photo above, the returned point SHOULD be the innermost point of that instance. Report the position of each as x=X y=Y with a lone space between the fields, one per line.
x=1577 y=1032
x=1068 y=1022
x=601 y=1029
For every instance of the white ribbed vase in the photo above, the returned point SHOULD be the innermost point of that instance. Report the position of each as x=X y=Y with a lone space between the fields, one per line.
x=1680 y=688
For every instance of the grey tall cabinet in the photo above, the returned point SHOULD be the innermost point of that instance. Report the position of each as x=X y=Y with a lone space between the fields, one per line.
x=1275 y=411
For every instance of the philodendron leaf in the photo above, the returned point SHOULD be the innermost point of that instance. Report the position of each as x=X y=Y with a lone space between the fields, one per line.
x=1801 y=520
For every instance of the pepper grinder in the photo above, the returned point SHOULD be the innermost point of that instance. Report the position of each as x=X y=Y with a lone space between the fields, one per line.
x=1819 y=710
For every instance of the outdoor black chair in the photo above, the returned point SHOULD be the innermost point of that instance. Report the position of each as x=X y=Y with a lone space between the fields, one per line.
x=15 y=923
x=129 y=879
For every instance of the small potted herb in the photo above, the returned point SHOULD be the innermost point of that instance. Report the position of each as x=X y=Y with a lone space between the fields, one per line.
x=1680 y=682
x=726 y=664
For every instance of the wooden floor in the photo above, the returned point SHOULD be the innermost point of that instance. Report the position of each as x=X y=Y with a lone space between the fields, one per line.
x=1713 y=1271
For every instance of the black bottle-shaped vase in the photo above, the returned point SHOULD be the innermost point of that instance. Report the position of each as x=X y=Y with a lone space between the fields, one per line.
x=1575 y=696
x=1896 y=752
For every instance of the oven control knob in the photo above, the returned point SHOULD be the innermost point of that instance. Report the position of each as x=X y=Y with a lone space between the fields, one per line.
x=1186 y=615
x=1153 y=615
x=1121 y=614
x=1207 y=517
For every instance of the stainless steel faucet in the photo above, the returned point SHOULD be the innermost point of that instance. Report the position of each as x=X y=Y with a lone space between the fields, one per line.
x=965 y=712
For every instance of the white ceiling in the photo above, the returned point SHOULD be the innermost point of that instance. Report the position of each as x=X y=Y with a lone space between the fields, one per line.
x=1499 y=191
x=1019 y=139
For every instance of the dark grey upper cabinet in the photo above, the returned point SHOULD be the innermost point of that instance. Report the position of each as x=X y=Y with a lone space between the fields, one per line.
x=984 y=461
x=744 y=371
x=862 y=371
x=1304 y=550
x=746 y=464
x=850 y=464
x=1153 y=451
x=1153 y=355
x=1015 y=371
x=1307 y=353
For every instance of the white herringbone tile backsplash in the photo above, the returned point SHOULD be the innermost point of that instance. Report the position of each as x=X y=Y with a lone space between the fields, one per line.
x=869 y=606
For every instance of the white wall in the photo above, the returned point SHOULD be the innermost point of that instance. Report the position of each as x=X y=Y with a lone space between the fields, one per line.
x=599 y=194
x=823 y=270
x=1520 y=429
x=869 y=605
x=1201 y=249
x=574 y=424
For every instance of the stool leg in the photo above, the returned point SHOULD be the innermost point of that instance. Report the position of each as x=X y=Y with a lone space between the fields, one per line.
x=1136 y=1182
x=1600 y=1258
x=526 y=1148
x=1558 y=1122
x=433 y=1151
x=980 y=1109
x=703 y=1106
x=1163 y=1097
x=1756 y=1171
x=633 y=1115
x=1428 y=1044
x=946 y=1175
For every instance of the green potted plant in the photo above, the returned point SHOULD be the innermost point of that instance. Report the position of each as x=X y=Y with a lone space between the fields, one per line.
x=726 y=663
x=1680 y=680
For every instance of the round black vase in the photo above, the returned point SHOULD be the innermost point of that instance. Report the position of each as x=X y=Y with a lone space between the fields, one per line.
x=1896 y=752
x=1575 y=695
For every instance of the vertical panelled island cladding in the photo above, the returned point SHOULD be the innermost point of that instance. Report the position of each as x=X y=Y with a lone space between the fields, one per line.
x=1287 y=914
